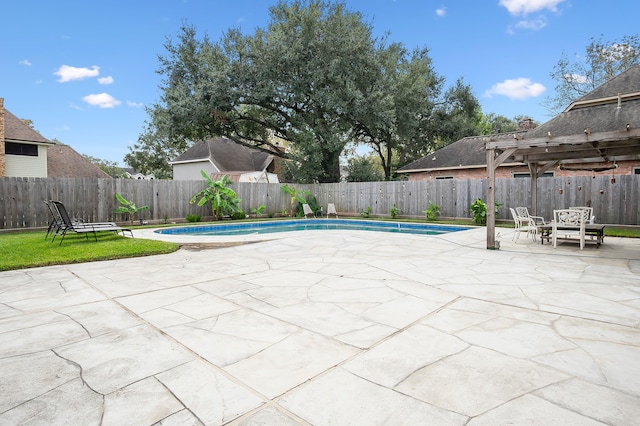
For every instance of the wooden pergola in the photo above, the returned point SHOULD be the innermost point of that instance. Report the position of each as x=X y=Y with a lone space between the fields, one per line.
x=543 y=153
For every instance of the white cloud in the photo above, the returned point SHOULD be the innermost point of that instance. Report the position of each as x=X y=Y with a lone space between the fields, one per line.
x=534 y=24
x=519 y=88
x=69 y=73
x=524 y=7
x=25 y=62
x=134 y=104
x=105 y=80
x=441 y=11
x=102 y=100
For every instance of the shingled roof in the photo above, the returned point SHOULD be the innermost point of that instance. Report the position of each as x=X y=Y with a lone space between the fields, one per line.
x=610 y=107
x=226 y=155
x=465 y=153
x=64 y=162
x=16 y=130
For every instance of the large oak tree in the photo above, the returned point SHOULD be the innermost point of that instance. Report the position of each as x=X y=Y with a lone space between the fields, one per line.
x=315 y=78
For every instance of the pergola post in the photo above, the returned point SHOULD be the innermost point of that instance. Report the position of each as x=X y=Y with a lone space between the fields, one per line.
x=491 y=200
x=533 y=171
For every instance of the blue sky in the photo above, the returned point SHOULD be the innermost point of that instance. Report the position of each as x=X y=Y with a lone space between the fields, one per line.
x=83 y=71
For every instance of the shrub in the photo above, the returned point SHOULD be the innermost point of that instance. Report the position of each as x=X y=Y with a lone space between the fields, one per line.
x=365 y=212
x=394 y=211
x=479 y=210
x=432 y=212
x=238 y=214
x=193 y=218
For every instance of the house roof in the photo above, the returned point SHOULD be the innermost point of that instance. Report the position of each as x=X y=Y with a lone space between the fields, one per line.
x=16 y=129
x=601 y=114
x=226 y=155
x=603 y=125
x=64 y=162
x=466 y=153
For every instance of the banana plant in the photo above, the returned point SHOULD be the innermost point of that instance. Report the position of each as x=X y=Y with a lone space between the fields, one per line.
x=296 y=196
x=128 y=207
x=223 y=199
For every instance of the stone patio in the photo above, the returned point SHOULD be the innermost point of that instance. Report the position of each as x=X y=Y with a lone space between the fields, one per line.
x=328 y=328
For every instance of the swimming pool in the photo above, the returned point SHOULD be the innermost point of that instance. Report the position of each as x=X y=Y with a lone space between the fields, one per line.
x=249 y=228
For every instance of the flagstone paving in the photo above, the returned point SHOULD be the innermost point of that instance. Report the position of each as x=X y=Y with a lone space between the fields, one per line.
x=328 y=328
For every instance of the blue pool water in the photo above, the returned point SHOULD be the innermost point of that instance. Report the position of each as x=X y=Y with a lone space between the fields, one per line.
x=248 y=228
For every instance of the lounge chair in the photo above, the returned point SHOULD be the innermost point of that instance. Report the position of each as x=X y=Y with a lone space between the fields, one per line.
x=523 y=224
x=308 y=213
x=524 y=212
x=55 y=223
x=331 y=210
x=569 y=224
x=67 y=225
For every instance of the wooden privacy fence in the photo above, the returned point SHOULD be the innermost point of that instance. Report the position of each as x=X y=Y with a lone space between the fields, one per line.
x=21 y=199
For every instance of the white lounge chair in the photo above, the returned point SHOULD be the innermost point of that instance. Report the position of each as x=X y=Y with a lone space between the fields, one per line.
x=523 y=224
x=569 y=224
x=331 y=210
x=524 y=212
x=308 y=213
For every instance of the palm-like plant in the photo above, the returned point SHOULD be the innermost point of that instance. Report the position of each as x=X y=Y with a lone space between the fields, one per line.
x=295 y=196
x=223 y=199
x=128 y=207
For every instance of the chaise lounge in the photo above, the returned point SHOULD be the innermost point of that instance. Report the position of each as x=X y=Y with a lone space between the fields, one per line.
x=66 y=224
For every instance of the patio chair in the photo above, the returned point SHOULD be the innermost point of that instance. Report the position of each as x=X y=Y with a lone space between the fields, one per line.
x=523 y=224
x=67 y=225
x=308 y=213
x=588 y=211
x=569 y=224
x=331 y=211
x=524 y=212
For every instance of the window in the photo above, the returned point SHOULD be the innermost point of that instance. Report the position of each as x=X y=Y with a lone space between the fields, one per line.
x=528 y=175
x=636 y=170
x=21 y=149
x=444 y=177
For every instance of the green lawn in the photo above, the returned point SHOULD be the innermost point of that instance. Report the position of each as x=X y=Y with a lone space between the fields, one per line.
x=29 y=249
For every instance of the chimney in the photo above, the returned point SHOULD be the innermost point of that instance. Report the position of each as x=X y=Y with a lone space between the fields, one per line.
x=526 y=124
x=2 y=161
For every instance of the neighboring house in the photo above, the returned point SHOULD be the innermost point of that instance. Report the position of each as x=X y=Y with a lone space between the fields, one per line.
x=611 y=107
x=23 y=151
x=65 y=162
x=221 y=156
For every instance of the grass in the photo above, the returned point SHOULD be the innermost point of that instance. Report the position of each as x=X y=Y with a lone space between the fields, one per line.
x=29 y=249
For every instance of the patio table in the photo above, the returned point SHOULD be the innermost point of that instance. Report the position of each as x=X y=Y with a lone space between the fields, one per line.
x=591 y=229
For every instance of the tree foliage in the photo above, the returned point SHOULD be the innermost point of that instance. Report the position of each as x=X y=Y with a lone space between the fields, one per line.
x=363 y=169
x=316 y=78
x=602 y=61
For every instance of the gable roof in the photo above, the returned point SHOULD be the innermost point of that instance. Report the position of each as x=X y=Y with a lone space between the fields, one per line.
x=608 y=108
x=16 y=130
x=64 y=162
x=226 y=155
